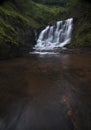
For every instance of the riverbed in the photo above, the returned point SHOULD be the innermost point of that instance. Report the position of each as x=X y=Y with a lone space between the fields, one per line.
x=46 y=92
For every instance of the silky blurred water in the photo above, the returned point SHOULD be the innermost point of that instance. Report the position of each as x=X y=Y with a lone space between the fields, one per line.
x=46 y=92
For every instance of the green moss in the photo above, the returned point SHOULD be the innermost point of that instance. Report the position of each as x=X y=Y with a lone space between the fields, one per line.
x=7 y=32
x=42 y=14
x=81 y=11
x=6 y=14
x=18 y=16
x=82 y=41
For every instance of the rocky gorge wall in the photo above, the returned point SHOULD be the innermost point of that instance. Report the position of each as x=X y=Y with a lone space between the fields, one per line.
x=19 y=20
x=16 y=34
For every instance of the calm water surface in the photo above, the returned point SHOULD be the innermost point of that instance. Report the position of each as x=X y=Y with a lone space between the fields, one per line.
x=46 y=92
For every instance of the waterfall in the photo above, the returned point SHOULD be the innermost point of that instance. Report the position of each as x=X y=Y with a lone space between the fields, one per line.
x=55 y=36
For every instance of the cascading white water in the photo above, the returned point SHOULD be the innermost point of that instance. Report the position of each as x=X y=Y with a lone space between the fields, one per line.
x=55 y=36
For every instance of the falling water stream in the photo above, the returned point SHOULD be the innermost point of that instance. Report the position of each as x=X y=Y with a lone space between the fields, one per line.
x=48 y=92
x=55 y=36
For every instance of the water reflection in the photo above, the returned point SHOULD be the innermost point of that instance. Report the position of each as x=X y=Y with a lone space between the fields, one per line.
x=44 y=54
x=46 y=93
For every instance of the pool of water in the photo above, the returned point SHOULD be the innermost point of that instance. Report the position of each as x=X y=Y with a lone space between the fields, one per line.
x=46 y=92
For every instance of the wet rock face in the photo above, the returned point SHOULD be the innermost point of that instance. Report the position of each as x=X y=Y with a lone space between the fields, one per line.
x=17 y=34
x=25 y=42
x=18 y=39
x=29 y=38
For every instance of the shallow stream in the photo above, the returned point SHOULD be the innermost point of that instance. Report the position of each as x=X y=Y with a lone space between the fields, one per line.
x=46 y=92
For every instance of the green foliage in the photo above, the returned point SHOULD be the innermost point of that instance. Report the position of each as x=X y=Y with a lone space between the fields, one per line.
x=83 y=36
x=36 y=14
x=81 y=12
x=53 y=2
x=43 y=14
x=82 y=41
x=19 y=16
